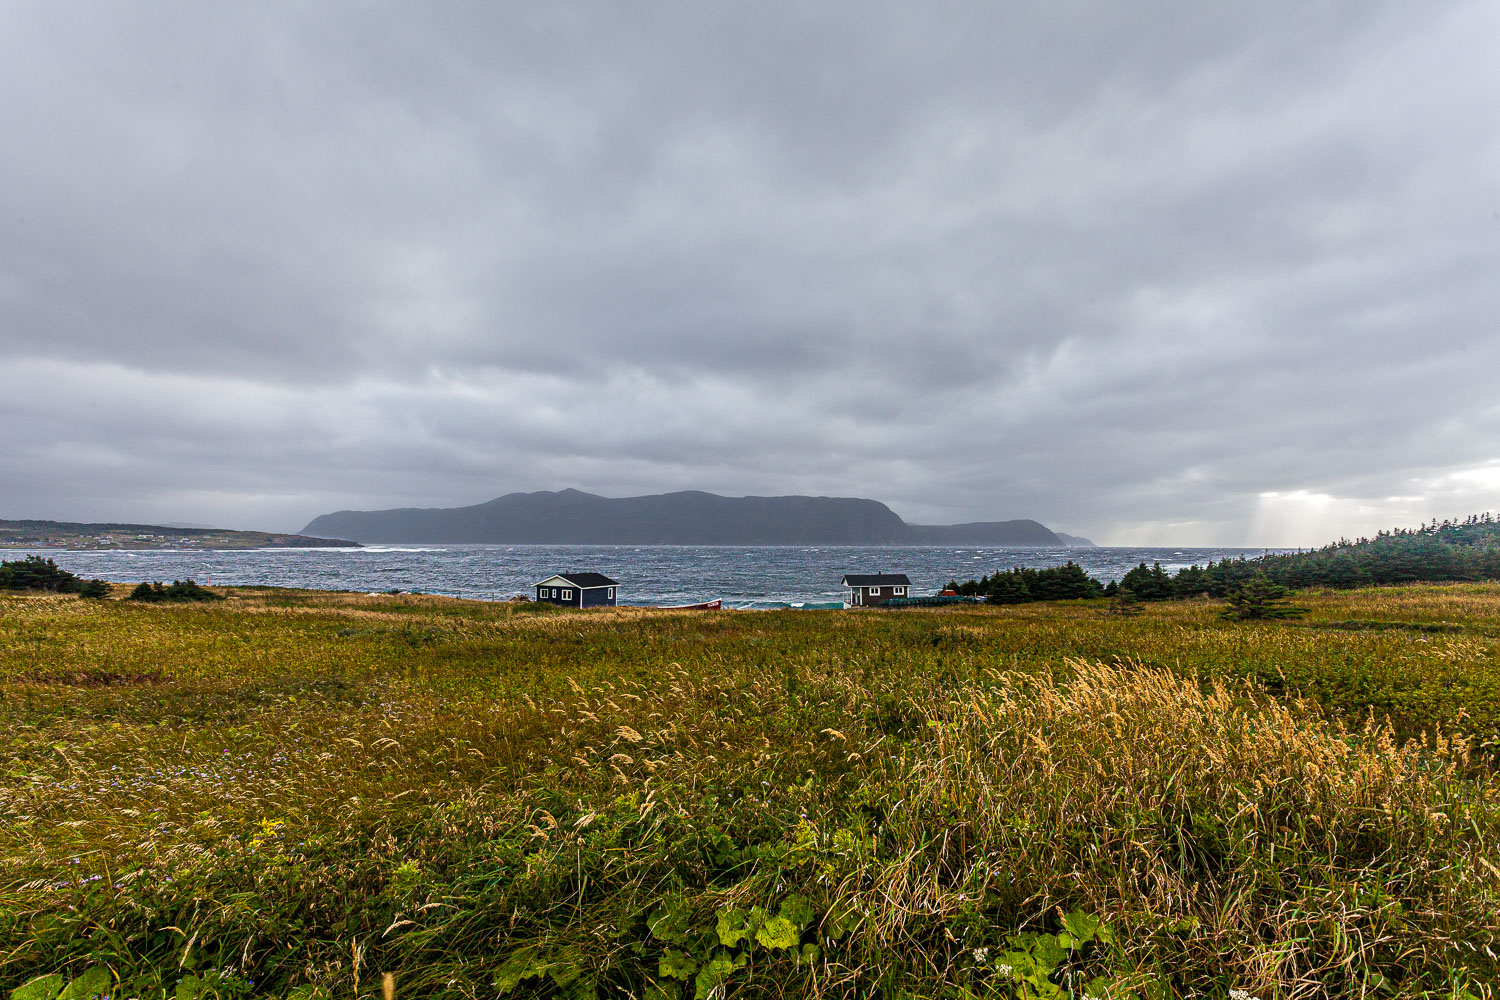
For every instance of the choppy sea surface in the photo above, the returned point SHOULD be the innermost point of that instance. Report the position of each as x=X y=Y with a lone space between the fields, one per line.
x=743 y=576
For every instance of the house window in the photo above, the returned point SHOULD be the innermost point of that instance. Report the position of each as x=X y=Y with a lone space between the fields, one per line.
x=554 y=591
x=567 y=595
x=898 y=591
x=611 y=593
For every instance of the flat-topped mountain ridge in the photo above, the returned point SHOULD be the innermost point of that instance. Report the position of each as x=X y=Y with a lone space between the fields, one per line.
x=572 y=517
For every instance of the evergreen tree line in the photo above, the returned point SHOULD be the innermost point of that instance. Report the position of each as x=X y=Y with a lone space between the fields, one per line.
x=1023 y=584
x=1440 y=552
x=36 y=573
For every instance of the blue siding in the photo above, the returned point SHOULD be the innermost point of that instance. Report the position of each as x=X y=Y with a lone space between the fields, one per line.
x=544 y=594
x=592 y=597
x=598 y=597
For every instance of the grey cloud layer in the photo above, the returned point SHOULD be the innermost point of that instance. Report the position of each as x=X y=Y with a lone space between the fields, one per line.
x=1166 y=272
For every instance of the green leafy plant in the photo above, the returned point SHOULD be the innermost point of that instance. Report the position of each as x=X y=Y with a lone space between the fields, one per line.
x=88 y=985
x=710 y=958
x=1044 y=965
x=566 y=968
x=41 y=988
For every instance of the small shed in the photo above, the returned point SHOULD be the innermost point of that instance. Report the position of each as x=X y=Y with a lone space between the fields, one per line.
x=578 y=590
x=868 y=590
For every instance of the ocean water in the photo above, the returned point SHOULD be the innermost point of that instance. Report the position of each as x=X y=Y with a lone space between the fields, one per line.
x=743 y=576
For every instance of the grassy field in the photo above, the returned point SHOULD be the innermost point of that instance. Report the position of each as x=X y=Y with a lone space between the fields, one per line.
x=294 y=793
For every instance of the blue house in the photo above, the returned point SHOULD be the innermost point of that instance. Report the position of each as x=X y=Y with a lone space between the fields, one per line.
x=578 y=590
x=866 y=590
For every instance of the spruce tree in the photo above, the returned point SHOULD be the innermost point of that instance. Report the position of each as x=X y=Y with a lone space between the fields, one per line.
x=1124 y=604
x=1259 y=599
x=1009 y=588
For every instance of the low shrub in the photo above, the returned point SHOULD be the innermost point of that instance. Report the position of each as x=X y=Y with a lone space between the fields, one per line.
x=180 y=590
x=36 y=573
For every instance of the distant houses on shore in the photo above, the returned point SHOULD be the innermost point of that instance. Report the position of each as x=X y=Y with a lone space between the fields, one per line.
x=595 y=590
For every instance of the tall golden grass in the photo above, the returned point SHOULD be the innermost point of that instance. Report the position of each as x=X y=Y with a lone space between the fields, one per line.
x=300 y=791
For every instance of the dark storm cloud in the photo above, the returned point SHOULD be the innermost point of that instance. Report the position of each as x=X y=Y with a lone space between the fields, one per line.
x=1164 y=272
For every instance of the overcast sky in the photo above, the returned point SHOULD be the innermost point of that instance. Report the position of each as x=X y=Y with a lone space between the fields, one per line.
x=1157 y=273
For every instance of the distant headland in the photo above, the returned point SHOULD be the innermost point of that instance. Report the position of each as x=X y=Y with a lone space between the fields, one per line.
x=75 y=535
x=571 y=517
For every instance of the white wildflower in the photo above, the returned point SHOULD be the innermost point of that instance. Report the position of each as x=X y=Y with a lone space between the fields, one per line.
x=1240 y=995
x=981 y=955
x=1003 y=969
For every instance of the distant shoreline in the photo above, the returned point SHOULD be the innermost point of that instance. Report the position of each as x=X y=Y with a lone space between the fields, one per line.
x=650 y=574
x=429 y=546
x=76 y=536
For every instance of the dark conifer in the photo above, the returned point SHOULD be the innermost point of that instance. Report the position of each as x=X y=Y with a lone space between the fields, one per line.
x=1260 y=599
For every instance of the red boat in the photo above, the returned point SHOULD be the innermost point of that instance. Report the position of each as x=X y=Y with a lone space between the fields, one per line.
x=713 y=605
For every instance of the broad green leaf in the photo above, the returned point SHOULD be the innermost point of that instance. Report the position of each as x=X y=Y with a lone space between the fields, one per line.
x=840 y=923
x=1080 y=925
x=1098 y=987
x=94 y=982
x=41 y=988
x=1020 y=962
x=676 y=964
x=778 y=932
x=1047 y=952
x=521 y=965
x=662 y=991
x=565 y=968
x=1045 y=987
x=733 y=927
x=714 y=974
x=810 y=954
x=798 y=909
x=188 y=988
x=670 y=922
x=1068 y=941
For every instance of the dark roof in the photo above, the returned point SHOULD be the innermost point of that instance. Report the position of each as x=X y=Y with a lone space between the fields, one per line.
x=876 y=580
x=586 y=581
